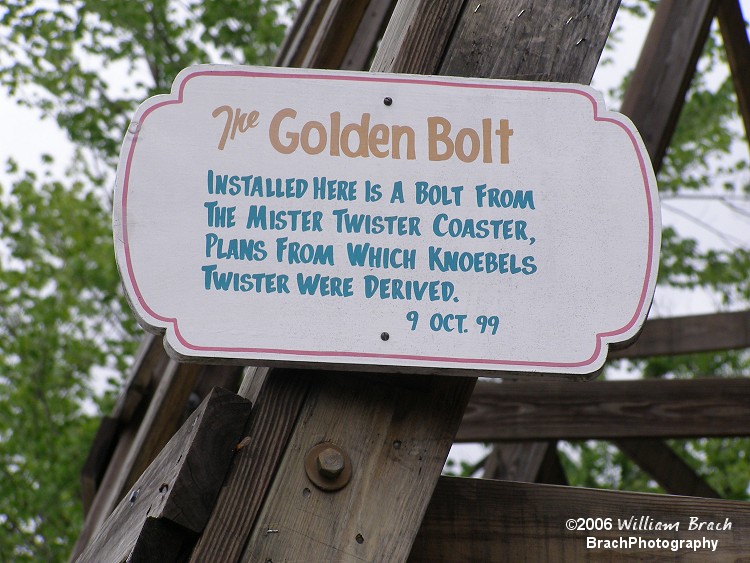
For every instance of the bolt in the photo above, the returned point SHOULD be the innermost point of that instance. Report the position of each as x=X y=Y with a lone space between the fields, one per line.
x=384 y=336
x=330 y=463
x=388 y=101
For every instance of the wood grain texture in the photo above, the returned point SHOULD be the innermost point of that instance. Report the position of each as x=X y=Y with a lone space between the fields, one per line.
x=667 y=468
x=370 y=29
x=149 y=363
x=301 y=33
x=180 y=486
x=332 y=38
x=538 y=40
x=688 y=335
x=547 y=410
x=497 y=521
x=96 y=463
x=277 y=403
x=515 y=461
x=326 y=32
x=656 y=92
x=417 y=36
x=397 y=430
x=734 y=32
x=530 y=462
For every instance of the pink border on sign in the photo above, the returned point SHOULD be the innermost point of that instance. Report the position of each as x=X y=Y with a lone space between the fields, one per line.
x=342 y=354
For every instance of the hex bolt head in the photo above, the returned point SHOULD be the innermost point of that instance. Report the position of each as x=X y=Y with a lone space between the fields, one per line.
x=330 y=463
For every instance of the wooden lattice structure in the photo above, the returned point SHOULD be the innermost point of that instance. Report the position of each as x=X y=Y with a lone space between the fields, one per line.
x=181 y=471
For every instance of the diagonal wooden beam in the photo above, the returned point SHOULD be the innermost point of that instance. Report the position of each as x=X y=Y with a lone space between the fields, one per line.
x=397 y=428
x=668 y=469
x=172 y=499
x=734 y=31
x=497 y=521
x=552 y=410
x=334 y=34
x=656 y=92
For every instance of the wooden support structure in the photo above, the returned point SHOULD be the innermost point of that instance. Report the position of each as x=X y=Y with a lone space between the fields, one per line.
x=686 y=408
x=396 y=429
x=734 y=32
x=170 y=503
x=656 y=92
x=663 y=464
x=494 y=521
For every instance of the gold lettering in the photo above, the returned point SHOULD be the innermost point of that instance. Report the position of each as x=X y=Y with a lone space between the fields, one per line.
x=434 y=137
x=273 y=132
x=378 y=136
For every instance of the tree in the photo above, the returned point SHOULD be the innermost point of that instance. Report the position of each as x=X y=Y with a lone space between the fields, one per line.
x=64 y=321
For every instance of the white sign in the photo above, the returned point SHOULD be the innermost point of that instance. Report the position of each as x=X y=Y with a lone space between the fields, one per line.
x=419 y=222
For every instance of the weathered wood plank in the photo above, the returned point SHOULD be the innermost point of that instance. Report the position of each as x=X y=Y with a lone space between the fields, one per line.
x=97 y=460
x=734 y=31
x=495 y=521
x=416 y=36
x=668 y=469
x=524 y=34
x=180 y=486
x=137 y=449
x=370 y=29
x=397 y=431
x=301 y=33
x=515 y=461
x=656 y=92
x=548 y=410
x=690 y=334
x=277 y=402
x=539 y=40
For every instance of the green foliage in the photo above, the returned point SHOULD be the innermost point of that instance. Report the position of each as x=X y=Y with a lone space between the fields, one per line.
x=60 y=56
x=62 y=314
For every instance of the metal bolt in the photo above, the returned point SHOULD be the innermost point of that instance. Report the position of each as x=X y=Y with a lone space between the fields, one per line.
x=384 y=336
x=388 y=101
x=328 y=467
x=330 y=463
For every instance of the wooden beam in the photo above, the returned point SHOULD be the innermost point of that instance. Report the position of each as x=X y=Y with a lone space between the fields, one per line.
x=179 y=487
x=96 y=463
x=140 y=446
x=417 y=36
x=334 y=33
x=656 y=92
x=668 y=469
x=688 y=335
x=515 y=461
x=370 y=29
x=277 y=403
x=734 y=31
x=523 y=32
x=551 y=410
x=397 y=431
x=496 y=521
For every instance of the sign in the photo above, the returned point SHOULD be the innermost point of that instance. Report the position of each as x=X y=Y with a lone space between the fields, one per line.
x=421 y=223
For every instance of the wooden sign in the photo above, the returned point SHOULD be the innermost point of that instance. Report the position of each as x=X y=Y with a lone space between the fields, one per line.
x=420 y=223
